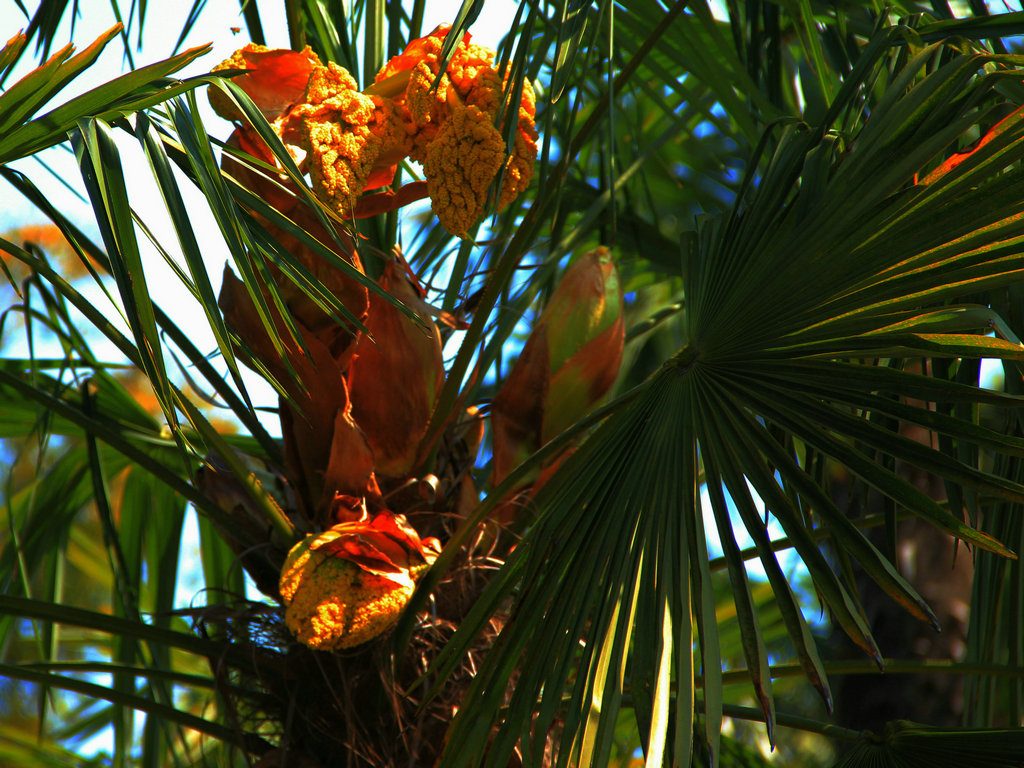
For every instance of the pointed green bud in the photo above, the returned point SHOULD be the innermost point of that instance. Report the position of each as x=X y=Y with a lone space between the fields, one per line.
x=569 y=361
x=585 y=334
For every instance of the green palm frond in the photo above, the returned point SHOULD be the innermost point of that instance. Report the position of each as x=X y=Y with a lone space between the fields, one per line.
x=142 y=88
x=618 y=533
x=907 y=744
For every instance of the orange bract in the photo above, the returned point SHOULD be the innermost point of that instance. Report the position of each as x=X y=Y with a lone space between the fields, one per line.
x=396 y=375
x=276 y=82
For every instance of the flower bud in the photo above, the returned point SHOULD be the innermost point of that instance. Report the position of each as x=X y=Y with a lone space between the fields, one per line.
x=585 y=335
x=396 y=375
x=350 y=583
x=569 y=362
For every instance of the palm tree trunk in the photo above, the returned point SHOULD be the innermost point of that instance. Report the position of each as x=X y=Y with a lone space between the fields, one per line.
x=941 y=572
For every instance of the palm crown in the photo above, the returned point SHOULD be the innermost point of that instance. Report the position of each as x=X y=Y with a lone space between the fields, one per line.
x=767 y=253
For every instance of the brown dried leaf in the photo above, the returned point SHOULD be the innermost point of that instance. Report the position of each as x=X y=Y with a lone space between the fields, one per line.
x=396 y=376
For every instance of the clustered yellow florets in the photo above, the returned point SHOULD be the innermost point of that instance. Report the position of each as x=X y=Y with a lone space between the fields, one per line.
x=519 y=168
x=332 y=603
x=349 y=584
x=444 y=120
x=460 y=164
x=456 y=140
x=347 y=135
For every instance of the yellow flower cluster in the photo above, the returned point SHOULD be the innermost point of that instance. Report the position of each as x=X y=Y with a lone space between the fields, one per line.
x=348 y=136
x=455 y=138
x=460 y=164
x=332 y=603
x=351 y=141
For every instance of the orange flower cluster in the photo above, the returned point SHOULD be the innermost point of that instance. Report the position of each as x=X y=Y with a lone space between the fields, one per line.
x=453 y=133
x=351 y=142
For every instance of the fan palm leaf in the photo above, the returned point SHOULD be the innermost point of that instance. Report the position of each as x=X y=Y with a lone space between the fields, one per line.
x=626 y=501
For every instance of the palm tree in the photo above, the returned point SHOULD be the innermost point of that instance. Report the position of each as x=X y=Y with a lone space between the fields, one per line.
x=757 y=249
